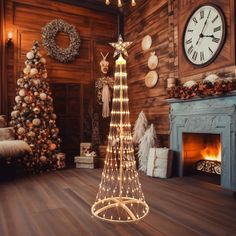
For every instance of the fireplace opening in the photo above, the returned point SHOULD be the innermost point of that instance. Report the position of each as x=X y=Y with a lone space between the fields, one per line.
x=201 y=154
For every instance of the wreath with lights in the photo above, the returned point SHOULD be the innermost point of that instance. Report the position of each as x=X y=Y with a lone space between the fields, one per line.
x=49 y=33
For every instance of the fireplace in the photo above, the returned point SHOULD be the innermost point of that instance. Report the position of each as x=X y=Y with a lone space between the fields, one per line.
x=200 y=121
x=201 y=153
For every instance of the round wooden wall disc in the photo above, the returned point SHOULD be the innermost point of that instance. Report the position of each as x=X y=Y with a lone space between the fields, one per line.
x=152 y=61
x=151 y=79
x=146 y=42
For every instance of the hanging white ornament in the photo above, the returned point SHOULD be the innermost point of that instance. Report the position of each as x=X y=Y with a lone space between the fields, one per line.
x=33 y=71
x=17 y=99
x=36 y=122
x=43 y=60
x=43 y=96
x=22 y=92
x=30 y=55
x=27 y=69
x=152 y=61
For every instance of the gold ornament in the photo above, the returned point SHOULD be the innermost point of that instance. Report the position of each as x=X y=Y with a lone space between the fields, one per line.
x=27 y=70
x=33 y=71
x=36 y=122
x=54 y=116
x=52 y=146
x=20 y=82
x=28 y=99
x=21 y=131
x=22 y=92
x=43 y=96
x=36 y=110
x=43 y=159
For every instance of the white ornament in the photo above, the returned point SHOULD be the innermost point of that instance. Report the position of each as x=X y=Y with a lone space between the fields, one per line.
x=152 y=61
x=36 y=122
x=139 y=127
x=22 y=92
x=17 y=99
x=43 y=60
x=30 y=55
x=146 y=142
x=27 y=69
x=45 y=75
x=33 y=71
x=211 y=78
x=21 y=131
x=35 y=81
x=190 y=84
x=43 y=96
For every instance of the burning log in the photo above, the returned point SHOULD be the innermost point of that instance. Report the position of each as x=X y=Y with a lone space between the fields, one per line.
x=209 y=166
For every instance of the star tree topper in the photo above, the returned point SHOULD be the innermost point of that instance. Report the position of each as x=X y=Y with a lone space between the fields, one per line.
x=120 y=46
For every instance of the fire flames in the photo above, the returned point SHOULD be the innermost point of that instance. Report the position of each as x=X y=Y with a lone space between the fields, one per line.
x=212 y=152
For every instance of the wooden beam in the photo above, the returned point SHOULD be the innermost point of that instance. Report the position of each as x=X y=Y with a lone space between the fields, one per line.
x=3 y=89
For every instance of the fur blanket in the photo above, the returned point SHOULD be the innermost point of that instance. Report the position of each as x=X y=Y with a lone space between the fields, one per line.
x=13 y=148
x=7 y=134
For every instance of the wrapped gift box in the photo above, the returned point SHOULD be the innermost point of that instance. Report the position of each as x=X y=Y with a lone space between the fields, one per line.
x=85 y=162
x=85 y=148
x=159 y=162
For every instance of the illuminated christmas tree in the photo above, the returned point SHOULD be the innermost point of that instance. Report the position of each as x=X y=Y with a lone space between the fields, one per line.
x=120 y=197
x=32 y=117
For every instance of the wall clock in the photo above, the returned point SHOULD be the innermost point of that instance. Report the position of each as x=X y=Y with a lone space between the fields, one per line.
x=204 y=35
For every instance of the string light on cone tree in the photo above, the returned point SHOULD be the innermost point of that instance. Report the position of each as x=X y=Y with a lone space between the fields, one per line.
x=120 y=197
x=119 y=3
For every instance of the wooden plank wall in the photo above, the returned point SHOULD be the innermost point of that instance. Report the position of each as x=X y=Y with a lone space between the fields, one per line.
x=155 y=19
x=162 y=20
x=26 y=18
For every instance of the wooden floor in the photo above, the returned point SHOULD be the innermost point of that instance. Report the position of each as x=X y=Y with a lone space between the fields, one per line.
x=58 y=203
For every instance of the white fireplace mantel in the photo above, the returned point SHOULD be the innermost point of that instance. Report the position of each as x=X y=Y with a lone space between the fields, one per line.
x=215 y=115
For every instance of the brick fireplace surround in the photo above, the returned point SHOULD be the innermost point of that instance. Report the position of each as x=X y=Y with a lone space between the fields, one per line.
x=216 y=115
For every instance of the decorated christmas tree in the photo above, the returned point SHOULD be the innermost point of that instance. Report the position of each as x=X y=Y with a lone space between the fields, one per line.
x=32 y=117
x=120 y=197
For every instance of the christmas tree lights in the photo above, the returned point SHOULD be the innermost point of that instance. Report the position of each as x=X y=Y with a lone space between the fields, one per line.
x=120 y=197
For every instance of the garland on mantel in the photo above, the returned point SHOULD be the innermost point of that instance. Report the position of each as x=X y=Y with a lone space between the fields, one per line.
x=202 y=89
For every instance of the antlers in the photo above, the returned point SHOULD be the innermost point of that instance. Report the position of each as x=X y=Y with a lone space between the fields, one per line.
x=104 y=57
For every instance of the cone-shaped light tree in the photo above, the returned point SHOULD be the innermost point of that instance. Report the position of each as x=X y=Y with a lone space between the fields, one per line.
x=32 y=117
x=120 y=197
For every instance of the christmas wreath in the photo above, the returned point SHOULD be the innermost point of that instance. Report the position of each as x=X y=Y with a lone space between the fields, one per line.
x=49 y=33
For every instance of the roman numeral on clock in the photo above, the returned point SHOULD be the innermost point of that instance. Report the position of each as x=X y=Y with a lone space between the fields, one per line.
x=190 y=50
x=215 y=19
x=218 y=28
x=202 y=56
x=210 y=50
x=194 y=57
x=195 y=20
x=202 y=14
x=215 y=40
x=189 y=41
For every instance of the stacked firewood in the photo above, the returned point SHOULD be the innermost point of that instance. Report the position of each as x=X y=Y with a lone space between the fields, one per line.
x=202 y=89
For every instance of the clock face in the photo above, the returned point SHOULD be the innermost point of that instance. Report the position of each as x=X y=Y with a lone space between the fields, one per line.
x=204 y=35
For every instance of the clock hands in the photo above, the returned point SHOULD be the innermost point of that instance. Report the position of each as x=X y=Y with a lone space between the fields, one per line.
x=207 y=35
x=203 y=27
